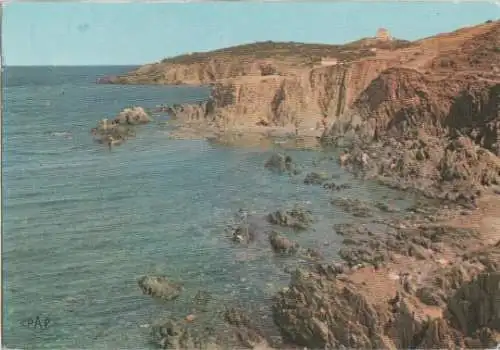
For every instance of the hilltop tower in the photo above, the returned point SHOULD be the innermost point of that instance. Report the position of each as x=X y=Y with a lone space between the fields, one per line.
x=383 y=35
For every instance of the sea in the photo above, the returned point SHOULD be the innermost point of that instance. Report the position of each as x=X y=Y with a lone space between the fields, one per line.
x=81 y=223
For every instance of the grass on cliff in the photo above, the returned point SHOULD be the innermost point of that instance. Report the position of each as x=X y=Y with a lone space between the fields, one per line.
x=305 y=53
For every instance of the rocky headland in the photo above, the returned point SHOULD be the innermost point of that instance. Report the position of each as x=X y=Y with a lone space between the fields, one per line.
x=419 y=116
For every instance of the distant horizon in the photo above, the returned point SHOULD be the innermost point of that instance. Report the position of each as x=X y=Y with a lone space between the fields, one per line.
x=100 y=34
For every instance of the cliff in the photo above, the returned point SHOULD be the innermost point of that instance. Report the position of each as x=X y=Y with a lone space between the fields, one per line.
x=448 y=81
x=278 y=100
x=452 y=84
x=256 y=59
x=445 y=81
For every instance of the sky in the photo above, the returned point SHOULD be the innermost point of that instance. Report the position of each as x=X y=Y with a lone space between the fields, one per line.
x=138 y=33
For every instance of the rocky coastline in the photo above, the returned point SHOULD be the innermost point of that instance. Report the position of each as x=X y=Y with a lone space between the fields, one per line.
x=420 y=119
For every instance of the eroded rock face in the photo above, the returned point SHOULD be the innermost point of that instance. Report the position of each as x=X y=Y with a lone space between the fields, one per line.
x=160 y=287
x=321 y=310
x=453 y=169
x=319 y=313
x=476 y=307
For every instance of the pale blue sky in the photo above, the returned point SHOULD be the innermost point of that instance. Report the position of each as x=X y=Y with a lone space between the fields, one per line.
x=137 y=33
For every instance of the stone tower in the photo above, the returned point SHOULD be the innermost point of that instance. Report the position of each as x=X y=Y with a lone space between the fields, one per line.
x=383 y=35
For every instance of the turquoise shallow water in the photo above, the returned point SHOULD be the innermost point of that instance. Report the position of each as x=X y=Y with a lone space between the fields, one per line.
x=81 y=224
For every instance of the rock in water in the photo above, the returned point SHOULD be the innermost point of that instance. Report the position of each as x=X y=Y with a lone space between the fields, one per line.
x=119 y=129
x=315 y=178
x=159 y=287
x=281 y=164
x=297 y=218
x=133 y=116
x=281 y=244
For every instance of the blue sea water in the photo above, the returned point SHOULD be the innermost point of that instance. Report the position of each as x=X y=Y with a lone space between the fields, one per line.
x=81 y=223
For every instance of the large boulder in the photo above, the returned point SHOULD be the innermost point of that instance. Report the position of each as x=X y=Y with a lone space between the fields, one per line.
x=132 y=116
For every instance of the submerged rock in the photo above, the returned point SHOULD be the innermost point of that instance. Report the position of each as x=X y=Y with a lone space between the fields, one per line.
x=332 y=186
x=281 y=244
x=244 y=330
x=297 y=218
x=181 y=336
x=315 y=178
x=356 y=207
x=279 y=163
x=160 y=287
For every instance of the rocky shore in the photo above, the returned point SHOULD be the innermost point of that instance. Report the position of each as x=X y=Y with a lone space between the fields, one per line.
x=425 y=277
x=423 y=119
x=116 y=131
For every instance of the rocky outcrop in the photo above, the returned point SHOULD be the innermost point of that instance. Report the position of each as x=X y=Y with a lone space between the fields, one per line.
x=320 y=311
x=439 y=98
x=198 y=72
x=116 y=131
x=474 y=310
x=440 y=82
x=302 y=98
x=257 y=59
x=453 y=169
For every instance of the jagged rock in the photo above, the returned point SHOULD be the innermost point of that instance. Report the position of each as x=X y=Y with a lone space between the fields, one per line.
x=319 y=313
x=476 y=304
x=160 y=287
x=439 y=335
